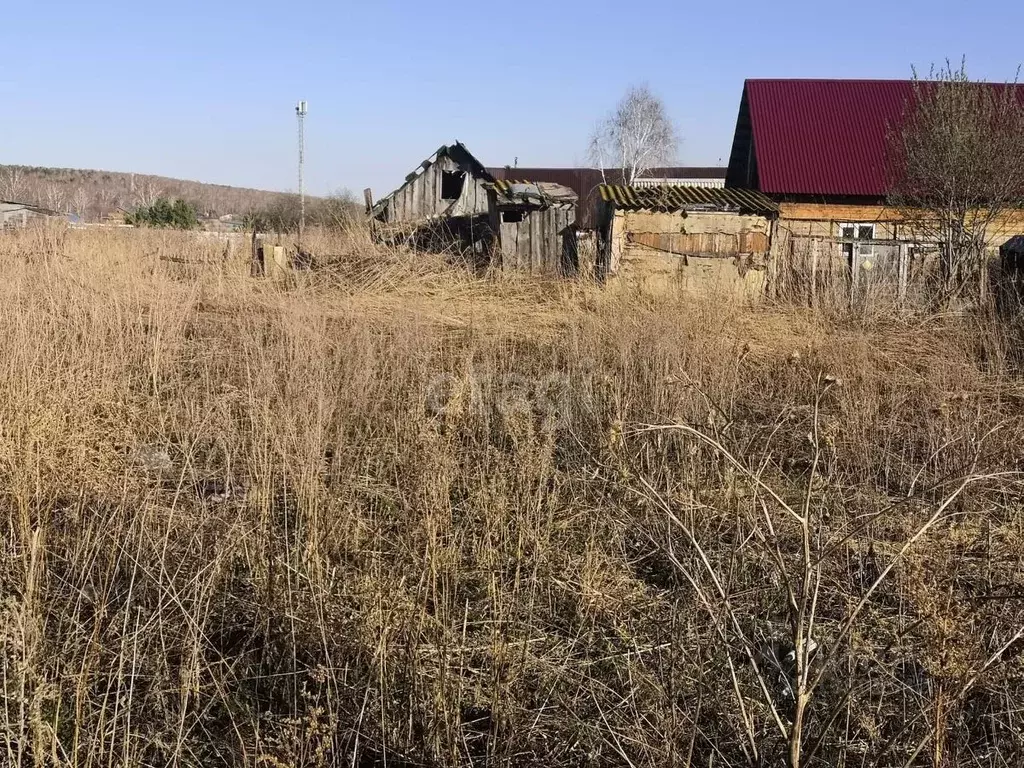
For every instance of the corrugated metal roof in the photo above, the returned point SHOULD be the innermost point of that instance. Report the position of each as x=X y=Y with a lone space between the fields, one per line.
x=676 y=198
x=825 y=137
x=685 y=172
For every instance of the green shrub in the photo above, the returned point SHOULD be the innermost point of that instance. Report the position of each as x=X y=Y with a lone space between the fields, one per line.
x=165 y=213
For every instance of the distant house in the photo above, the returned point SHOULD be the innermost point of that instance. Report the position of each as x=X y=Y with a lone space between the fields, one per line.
x=18 y=215
x=818 y=149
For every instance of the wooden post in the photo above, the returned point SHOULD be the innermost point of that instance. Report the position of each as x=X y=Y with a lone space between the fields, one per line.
x=256 y=257
x=983 y=277
x=368 y=197
x=901 y=287
x=814 y=272
x=275 y=262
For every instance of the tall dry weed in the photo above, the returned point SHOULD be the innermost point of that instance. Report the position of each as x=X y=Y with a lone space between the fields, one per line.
x=389 y=512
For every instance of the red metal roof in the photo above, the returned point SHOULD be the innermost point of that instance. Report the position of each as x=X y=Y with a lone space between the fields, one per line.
x=821 y=137
x=824 y=137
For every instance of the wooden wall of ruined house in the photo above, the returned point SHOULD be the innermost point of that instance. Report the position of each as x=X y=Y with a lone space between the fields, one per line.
x=698 y=233
x=422 y=198
x=701 y=252
x=542 y=242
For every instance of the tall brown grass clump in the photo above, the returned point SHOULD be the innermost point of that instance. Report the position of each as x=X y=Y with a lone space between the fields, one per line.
x=388 y=513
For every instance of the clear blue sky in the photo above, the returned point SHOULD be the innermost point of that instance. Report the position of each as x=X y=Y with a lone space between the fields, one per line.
x=206 y=90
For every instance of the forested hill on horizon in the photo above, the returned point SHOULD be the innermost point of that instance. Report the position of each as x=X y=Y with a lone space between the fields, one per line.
x=94 y=194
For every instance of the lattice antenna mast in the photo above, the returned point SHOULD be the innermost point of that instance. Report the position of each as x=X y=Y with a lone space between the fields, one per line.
x=301 y=110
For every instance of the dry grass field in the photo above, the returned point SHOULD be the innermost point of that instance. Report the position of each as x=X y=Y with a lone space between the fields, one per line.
x=389 y=513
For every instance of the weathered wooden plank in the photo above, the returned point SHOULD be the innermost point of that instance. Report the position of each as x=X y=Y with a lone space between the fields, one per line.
x=554 y=258
x=536 y=238
x=524 y=244
x=416 y=190
x=557 y=226
x=544 y=224
x=902 y=274
x=831 y=212
x=554 y=251
x=551 y=219
x=428 y=193
x=509 y=246
x=541 y=249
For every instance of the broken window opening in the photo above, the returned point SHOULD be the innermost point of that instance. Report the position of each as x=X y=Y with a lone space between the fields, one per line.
x=512 y=217
x=451 y=184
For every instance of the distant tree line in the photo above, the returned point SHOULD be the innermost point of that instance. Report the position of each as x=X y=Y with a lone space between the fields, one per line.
x=94 y=195
x=338 y=210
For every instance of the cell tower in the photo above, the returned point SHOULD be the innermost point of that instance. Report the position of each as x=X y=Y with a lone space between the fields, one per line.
x=300 y=112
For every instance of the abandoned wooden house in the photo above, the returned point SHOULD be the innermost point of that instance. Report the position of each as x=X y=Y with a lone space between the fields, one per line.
x=15 y=215
x=443 y=204
x=818 y=149
x=694 y=237
x=534 y=226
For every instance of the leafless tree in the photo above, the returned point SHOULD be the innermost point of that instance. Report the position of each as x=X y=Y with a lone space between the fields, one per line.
x=636 y=136
x=957 y=168
x=147 y=192
x=12 y=183
x=80 y=202
x=105 y=202
x=55 y=197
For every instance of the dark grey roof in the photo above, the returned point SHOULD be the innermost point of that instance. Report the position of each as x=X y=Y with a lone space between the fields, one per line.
x=1014 y=245
x=539 y=194
x=17 y=206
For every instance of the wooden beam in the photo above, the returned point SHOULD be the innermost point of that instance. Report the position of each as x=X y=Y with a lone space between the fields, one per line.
x=830 y=212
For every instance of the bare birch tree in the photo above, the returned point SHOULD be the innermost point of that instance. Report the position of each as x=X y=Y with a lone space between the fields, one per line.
x=56 y=197
x=637 y=136
x=80 y=202
x=957 y=169
x=106 y=200
x=12 y=183
x=147 y=192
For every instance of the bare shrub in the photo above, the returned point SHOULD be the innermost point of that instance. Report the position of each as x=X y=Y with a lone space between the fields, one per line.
x=957 y=169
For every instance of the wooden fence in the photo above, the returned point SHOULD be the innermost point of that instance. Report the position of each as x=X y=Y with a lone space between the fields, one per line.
x=875 y=275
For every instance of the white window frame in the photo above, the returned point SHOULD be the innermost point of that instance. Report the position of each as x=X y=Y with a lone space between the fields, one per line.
x=862 y=251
